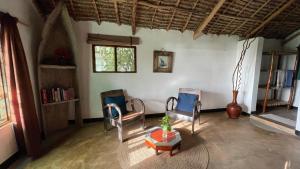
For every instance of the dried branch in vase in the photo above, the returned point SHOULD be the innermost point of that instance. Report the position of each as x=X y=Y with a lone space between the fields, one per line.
x=237 y=73
x=234 y=109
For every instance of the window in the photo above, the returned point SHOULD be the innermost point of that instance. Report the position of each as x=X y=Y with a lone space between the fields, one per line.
x=117 y=59
x=4 y=108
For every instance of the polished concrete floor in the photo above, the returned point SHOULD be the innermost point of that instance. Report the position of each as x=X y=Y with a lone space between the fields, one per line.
x=281 y=111
x=231 y=144
x=282 y=115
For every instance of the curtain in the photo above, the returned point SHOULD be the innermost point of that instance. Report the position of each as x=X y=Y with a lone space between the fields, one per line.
x=20 y=91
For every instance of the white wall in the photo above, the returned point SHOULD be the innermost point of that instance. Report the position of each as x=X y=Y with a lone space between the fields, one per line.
x=24 y=10
x=250 y=74
x=206 y=63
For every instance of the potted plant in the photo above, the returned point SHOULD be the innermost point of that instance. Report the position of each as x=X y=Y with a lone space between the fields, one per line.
x=165 y=125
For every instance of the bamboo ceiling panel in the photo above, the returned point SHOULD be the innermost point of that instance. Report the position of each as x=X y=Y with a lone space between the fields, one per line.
x=245 y=18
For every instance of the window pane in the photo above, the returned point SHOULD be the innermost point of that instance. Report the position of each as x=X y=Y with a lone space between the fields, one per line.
x=104 y=58
x=3 y=94
x=125 y=59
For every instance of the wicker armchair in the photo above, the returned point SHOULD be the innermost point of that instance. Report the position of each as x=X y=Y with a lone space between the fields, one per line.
x=121 y=120
x=191 y=116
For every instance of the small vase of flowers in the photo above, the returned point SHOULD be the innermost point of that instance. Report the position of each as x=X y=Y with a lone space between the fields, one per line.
x=165 y=125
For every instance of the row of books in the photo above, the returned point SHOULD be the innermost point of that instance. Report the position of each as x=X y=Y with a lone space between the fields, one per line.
x=51 y=95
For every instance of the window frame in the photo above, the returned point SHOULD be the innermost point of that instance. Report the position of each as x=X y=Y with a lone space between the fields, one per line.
x=116 y=63
x=5 y=92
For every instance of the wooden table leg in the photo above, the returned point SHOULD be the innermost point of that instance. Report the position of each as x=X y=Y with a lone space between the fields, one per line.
x=156 y=152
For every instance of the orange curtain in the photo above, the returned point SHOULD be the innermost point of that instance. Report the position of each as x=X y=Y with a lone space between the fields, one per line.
x=20 y=91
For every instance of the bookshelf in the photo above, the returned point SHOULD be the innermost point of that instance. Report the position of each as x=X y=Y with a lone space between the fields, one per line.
x=57 y=81
x=61 y=102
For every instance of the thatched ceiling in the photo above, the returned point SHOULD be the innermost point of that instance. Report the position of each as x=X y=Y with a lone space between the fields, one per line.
x=246 y=18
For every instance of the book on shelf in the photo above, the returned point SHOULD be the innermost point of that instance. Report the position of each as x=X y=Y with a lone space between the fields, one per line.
x=51 y=95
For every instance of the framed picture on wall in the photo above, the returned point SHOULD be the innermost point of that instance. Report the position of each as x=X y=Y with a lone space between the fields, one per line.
x=162 y=61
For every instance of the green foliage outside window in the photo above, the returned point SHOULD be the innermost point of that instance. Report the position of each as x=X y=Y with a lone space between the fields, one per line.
x=105 y=58
x=125 y=58
x=114 y=59
x=4 y=109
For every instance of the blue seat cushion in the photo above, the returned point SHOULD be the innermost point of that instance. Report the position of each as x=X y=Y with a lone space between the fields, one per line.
x=186 y=102
x=118 y=100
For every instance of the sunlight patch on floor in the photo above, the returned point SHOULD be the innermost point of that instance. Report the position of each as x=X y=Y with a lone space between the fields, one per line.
x=188 y=125
x=135 y=142
x=136 y=131
x=140 y=155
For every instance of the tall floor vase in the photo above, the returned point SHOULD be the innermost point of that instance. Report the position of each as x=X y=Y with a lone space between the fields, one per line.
x=234 y=109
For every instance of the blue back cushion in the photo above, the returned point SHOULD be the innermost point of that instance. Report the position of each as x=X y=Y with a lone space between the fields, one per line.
x=118 y=100
x=186 y=102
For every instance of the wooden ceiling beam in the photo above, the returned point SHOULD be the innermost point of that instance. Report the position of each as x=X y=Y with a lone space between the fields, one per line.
x=133 y=19
x=283 y=21
x=198 y=32
x=152 y=20
x=224 y=11
x=260 y=8
x=117 y=12
x=165 y=7
x=189 y=17
x=253 y=15
x=272 y=16
x=96 y=12
x=233 y=19
x=169 y=25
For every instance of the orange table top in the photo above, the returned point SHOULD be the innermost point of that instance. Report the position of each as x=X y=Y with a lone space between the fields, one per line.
x=156 y=137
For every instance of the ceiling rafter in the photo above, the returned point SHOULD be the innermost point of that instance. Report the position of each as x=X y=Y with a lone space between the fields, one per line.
x=189 y=17
x=96 y=12
x=152 y=20
x=202 y=26
x=283 y=19
x=272 y=16
x=223 y=12
x=165 y=7
x=253 y=15
x=265 y=17
x=177 y=3
x=232 y=20
x=117 y=12
x=133 y=19
x=234 y=16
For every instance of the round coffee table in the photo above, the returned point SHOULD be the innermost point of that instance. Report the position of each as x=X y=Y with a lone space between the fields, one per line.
x=155 y=139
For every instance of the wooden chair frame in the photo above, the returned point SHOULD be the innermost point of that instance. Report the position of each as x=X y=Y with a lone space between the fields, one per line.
x=121 y=120
x=196 y=110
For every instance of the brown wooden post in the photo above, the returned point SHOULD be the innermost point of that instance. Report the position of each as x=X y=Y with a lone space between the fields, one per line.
x=269 y=81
